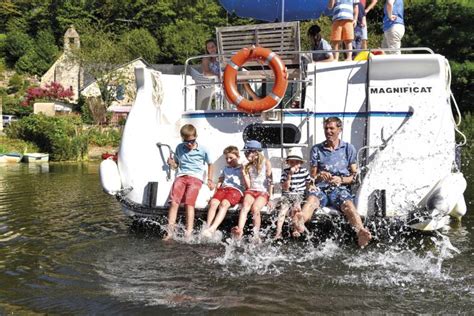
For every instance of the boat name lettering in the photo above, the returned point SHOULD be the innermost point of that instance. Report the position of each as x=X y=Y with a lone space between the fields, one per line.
x=401 y=90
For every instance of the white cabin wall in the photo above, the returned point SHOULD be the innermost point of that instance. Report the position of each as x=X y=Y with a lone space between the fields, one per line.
x=338 y=89
x=419 y=149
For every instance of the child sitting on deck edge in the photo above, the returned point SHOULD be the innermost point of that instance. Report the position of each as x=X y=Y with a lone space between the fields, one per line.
x=258 y=181
x=294 y=181
x=230 y=190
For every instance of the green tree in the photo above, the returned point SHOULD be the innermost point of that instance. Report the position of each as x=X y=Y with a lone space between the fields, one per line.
x=17 y=44
x=140 y=43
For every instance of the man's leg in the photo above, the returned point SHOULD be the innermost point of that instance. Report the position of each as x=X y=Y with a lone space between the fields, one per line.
x=348 y=47
x=350 y=212
x=335 y=46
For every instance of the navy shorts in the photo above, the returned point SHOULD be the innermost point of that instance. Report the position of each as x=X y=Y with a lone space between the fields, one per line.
x=333 y=196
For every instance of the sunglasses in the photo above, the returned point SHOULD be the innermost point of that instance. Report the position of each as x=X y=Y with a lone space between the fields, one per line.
x=248 y=152
x=190 y=142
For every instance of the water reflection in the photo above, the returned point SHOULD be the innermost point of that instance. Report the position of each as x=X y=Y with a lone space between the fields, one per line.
x=66 y=248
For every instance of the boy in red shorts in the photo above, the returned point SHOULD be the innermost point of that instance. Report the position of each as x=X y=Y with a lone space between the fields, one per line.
x=230 y=190
x=190 y=159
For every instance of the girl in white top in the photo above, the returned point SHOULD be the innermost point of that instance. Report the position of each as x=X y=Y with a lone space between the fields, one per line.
x=259 y=184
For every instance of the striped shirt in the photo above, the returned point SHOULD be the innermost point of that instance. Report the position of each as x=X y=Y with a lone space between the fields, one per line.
x=298 y=180
x=344 y=10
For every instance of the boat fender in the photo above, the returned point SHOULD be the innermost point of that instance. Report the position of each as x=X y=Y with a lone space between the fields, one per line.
x=446 y=194
x=460 y=208
x=110 y=177
x=230 y=80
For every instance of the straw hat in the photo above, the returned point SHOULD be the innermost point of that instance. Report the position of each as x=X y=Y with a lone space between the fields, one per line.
x=295 y=153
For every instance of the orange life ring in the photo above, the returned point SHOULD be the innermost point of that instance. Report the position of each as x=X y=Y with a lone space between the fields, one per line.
x=279 y=87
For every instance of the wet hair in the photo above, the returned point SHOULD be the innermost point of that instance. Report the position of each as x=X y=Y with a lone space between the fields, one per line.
x=211 y=40
x=333 y=119
x=188 y=130
x=314 y=32
x=231 y=150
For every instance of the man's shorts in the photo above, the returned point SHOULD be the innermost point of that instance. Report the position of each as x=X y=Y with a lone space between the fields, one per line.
x=185 y=190
x=232 y=195
x=342 y=30
x=256 y=194
x=333 y=196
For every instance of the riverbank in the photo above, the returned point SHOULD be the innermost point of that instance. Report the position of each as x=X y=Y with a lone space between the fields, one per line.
x=8 y=145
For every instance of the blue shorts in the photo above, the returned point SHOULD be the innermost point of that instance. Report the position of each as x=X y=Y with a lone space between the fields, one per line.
x=333 y=196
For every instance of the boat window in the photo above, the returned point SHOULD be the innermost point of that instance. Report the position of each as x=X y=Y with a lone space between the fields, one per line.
x=269 y=134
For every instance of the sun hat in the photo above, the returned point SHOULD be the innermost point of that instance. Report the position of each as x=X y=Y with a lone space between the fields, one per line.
x=295 y=153
x=252 y=145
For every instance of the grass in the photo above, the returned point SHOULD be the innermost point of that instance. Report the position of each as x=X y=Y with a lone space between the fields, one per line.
x=8 y=145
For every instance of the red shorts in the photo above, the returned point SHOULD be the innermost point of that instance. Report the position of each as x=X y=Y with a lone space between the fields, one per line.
x=256 y=194
x=230 y=194
x=185 y=190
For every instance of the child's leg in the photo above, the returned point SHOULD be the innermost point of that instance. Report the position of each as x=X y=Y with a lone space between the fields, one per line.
x=257 y=206
x=223 y=207
x=335 y=46
x=348 y=47
x=172 y=215
x=238 y=230
x=189 y=220
x=211 y=212
x=281 y=219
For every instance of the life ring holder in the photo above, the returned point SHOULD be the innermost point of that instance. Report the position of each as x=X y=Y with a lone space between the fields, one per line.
x=272 y=99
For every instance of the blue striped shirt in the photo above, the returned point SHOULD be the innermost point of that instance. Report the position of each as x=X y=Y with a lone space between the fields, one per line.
x=298 y=180
x=344 y=10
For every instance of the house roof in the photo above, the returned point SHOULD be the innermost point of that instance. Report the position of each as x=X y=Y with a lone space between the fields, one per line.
x=89 y=79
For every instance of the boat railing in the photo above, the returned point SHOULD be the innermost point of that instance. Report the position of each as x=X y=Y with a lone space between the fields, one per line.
x=210 y=89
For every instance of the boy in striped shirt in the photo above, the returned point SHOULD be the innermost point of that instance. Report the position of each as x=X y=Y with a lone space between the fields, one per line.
x=294 y=181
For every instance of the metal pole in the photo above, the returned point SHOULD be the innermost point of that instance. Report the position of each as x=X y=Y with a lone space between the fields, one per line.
x=283 y=10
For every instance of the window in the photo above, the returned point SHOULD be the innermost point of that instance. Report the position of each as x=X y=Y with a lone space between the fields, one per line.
x=269 y=134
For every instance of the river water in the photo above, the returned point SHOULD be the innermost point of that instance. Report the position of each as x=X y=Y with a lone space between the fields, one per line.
x=66 y=248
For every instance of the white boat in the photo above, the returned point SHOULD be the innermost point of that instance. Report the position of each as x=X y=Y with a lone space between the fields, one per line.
x=396 y=111
x=10 y=157
x=35 y=157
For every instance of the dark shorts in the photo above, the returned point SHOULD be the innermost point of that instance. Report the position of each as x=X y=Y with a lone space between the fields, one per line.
x=185 y=190
x=333 y=196
x=232 y=195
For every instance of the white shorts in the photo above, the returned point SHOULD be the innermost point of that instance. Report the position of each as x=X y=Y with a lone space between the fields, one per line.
x=392 y=38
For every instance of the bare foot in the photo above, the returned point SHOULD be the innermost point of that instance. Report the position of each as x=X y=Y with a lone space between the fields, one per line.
x=298 y=223
x=167 y=237
x=207 y=233
x=188 y=235
x=296 y=234
x=237 y=233
x=363 y=237
x=256 y=239
x=277 y=236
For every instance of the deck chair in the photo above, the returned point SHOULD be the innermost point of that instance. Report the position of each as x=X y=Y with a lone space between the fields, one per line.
x=207 y=89
x=282 y=38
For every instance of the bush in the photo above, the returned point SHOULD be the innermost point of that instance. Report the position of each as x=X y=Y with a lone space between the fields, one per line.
x=104 y=136
x=463 y=83
x=60 y=136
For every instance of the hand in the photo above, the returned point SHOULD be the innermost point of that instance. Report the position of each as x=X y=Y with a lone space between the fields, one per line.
x=210 y=184
x=312 y=188
x=336 y=180
x=326 y=176
x=354 y=23
x=293 y=170
x=269 y=203
x=393 y=17
x=171 y=161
